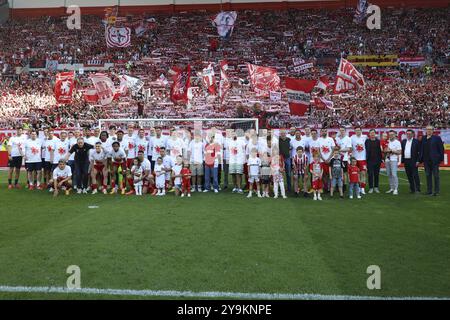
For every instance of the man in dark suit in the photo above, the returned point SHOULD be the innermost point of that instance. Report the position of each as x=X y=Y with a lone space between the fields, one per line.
x=410 y=159
x=374 y=157
x=432 y=154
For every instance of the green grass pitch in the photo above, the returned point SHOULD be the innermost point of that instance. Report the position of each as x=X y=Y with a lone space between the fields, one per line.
x=226 y=242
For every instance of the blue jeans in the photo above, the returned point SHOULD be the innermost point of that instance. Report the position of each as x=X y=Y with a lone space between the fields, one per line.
x=287 y=168
x=214 y=172
x=352 y=186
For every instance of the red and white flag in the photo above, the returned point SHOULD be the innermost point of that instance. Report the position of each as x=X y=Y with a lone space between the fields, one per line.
x=64 y=86
x=105 y=88
x=181 y=84
x=209 y=79
x=224 y=21
x=119 y=37
x=224 y=84
x=263 y=79
x=90 y=95
x=299 y=95
x=347 y=78
x=323 y=83
x=321 y=103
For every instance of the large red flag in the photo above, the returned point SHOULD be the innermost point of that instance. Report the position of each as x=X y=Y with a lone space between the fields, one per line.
x=299 y=95
x=64 y=86
x=90 y=95
x=181 y=84
x=105 y=88
x=348 y=78
x=263 y=79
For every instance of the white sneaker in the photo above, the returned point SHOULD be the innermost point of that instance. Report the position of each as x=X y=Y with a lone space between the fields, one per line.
x=275 y=196
x=158 y=193
x=359 y=197
x=395 y=192
x=94 y=191
x=240 y=191
x=192 y=189
x=84 y=191
x=249 y=195
x=234 y=190
x=189 y=195
x=363 y=191
x=319 y=197
x=389 y=191
x=377 y=190
x=206 y=190
x=284 y=197
x=259 y=195
x=163 y=193
x=79 y=191
x=105 y=191
x=182 y=195
x=370 y=190
x=216 y=191
x=351 y=197
x=51 y=190
x=315 y=197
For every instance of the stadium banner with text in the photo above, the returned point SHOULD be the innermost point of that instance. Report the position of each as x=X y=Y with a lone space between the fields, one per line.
x=401 y=132
x=388 y=60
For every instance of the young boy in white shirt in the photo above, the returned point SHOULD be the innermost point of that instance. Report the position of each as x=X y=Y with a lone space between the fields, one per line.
x=254 y=165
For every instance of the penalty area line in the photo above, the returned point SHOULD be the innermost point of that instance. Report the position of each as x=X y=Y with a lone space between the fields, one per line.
x=206 y=294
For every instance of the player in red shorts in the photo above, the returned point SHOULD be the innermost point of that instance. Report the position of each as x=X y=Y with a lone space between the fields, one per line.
x=359 y=153
x=61 y=178
x=186 y=180
x=99 y=172
x=118 y=160
x=316 y=170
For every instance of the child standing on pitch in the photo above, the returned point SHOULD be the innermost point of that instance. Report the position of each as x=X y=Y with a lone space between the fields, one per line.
x=186 y=180
x=277 y=166
x=353 y=178
x=336 y=173
x=137 y=172
x=160 y=174
x=299 y=171
x=176 y=174
x=265 y=174
x=316 y=170
x=254 y=164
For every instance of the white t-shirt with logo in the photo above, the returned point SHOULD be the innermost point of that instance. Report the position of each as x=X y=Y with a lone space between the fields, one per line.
x=50 y=145
x=17 y=145
x=237 y=151
x=359 y=147
x=196 y=150
x=156 y=144
x=64 y=174
x=33 y=149
x=295 y=144
x=254 y=165
x=344 y=143
x=141 y=144
x=61 y=150
x=326 y=147
x=314 y=147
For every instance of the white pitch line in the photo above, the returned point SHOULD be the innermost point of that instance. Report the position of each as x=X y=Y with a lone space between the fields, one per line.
x=399 y=178
x=207 y=294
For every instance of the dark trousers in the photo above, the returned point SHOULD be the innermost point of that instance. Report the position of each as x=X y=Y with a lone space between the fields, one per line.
x=412 y=173
x=81 y=174
x=432 y=171
x=287 y=168
x=373 y=171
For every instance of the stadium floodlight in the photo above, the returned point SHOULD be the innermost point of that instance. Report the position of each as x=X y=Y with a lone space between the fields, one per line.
x=183 y=123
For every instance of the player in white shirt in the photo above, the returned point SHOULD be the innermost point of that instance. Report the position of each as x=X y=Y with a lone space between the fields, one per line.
x=61 y=178
x=33 y=160
x=394 y=151
x=129 y=145
x=307 y=139
x=147 y=178
x=62 y=147
x=160 y=175
x=345 y=147
x=236 y=149
x=254 y=166
x=327 y=146
x=137 y=172
x=141 y=143
x=196 y=156
x=16 y=152
x=168 y=162
x=313 y=145
x=50 y=147
x=98 y=159
x=175 y=145
x=156 y=143
x=296 y=142
x=291 y=134
x=359 y=153
x=118 y=160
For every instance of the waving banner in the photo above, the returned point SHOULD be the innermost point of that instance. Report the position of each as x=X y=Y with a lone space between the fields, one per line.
x=64 y=86
x=209 y=79
x=105 y=88
x=224 y=22
x=181 y=84
x=263 y=79
x=299 y=95
x=347 y=78
x=119 y=37
x=224 y=84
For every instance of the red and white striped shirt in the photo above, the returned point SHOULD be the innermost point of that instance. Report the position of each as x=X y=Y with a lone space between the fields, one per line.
x=299 y=164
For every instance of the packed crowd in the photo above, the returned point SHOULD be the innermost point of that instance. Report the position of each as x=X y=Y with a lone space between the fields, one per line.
x=393 y=96
x=186 y=161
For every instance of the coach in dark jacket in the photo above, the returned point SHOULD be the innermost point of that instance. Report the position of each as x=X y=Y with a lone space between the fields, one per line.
x=410 y=159
x=373 y=156
x=432 y=154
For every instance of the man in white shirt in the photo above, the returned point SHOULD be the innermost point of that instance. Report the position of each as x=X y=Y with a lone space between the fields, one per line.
x=236 y=149
x=326 y=145
x=15 y=155
x=33 y=160
x=62 y=147
x=196 y=156
x=359 y=153
x=394 y=150
x=50 y=147
x=345 y=147
x=410 y=158
x=156 y=143
x=61 y=178
x=296 y=141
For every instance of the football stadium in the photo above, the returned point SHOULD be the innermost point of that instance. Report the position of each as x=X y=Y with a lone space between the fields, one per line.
x=241 y=149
